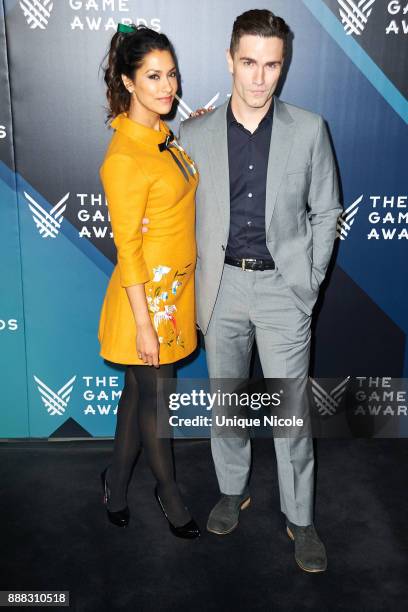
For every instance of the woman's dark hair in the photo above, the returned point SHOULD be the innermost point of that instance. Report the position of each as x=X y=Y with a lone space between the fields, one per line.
x=125 y=56
x=259 y=22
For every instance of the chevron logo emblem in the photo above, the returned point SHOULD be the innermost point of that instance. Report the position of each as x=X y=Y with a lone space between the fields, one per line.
x=328 y=402
x=48 y=223
x=185 y=110
x=36 y=12
x=55 y=403
x=346 y=219
x=354 y=15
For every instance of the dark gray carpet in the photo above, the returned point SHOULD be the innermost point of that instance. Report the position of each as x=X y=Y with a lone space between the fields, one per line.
x=55 y=534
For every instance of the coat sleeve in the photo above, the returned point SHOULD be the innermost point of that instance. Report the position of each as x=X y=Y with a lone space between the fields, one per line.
x=126 y=189
x=323 y=200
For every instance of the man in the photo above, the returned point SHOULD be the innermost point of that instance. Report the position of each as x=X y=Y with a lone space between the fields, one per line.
x=267 y=205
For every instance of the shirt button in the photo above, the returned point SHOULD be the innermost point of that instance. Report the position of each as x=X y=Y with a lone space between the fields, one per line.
x=249 y=195
x=251 y=167
x=249 y=223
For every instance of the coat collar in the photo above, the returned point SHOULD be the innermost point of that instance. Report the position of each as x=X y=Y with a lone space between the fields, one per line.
x=218 y=121
x=137 y=131
x=267 y=118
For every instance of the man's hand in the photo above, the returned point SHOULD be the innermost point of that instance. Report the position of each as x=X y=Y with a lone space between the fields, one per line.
x=201 y=111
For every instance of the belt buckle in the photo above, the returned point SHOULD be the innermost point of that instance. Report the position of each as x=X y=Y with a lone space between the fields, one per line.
x=243 y=265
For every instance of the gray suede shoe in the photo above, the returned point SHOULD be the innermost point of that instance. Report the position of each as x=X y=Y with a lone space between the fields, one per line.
x=310 y=553
x=224 y=516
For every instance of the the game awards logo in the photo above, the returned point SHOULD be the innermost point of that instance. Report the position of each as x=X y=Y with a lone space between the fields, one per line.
x=346 y=219
x=328 y=402
x=37 y=12
x=48 y=223
x=55 y=402
x=354 y=15
x=387 y=216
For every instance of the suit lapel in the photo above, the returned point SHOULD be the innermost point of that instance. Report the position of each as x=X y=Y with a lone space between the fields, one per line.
x=217 y=149
x=283 y=130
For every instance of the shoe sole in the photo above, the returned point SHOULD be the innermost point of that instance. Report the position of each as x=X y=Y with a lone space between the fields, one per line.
x=243 y=505
x=305 y=569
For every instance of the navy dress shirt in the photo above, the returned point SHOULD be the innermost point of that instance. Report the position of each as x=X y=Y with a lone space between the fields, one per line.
x=248 y=163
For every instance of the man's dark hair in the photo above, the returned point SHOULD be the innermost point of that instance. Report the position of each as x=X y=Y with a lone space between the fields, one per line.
x=259 y=22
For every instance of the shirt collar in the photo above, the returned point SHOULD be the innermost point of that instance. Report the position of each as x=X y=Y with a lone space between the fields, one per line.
x=137 y=131
x=266 y=119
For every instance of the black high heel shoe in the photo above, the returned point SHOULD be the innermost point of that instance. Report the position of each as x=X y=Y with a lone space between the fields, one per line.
x=190 y=530
x=120 y=517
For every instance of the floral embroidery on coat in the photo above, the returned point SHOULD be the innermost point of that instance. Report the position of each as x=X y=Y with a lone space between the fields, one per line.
x=164 y=312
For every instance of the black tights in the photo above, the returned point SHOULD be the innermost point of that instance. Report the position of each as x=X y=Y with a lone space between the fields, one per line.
x=136 y=427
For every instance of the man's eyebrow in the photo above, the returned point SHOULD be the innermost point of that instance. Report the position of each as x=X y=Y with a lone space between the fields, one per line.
x=251 y=59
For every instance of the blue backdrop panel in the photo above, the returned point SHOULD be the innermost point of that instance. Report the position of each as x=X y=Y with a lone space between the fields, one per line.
x=13 y=379
x=14 y=408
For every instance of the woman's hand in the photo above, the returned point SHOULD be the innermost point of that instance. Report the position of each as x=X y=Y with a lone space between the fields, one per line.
x=147 y=344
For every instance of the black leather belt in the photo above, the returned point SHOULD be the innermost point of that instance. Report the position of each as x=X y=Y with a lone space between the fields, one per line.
x=251 y=264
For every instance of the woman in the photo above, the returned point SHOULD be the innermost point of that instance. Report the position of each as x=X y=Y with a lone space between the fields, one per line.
x=147 y=319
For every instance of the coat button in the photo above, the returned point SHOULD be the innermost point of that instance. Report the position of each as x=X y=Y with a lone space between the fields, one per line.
x=223 y=247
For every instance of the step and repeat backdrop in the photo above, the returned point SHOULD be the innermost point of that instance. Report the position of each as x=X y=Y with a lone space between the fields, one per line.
x=348 y=62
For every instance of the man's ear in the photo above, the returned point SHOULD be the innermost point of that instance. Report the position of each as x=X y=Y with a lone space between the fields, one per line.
x=230 y=61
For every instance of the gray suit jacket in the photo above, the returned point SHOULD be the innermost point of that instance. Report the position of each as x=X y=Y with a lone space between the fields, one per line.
x=302 y=201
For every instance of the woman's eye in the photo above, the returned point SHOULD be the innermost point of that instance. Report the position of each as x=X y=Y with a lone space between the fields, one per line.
x=154 y=76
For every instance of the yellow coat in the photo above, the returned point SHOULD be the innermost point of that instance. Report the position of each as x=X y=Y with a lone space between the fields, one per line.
x=141 y=181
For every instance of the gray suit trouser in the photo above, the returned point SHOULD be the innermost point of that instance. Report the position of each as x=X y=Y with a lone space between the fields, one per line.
x=259 y=305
